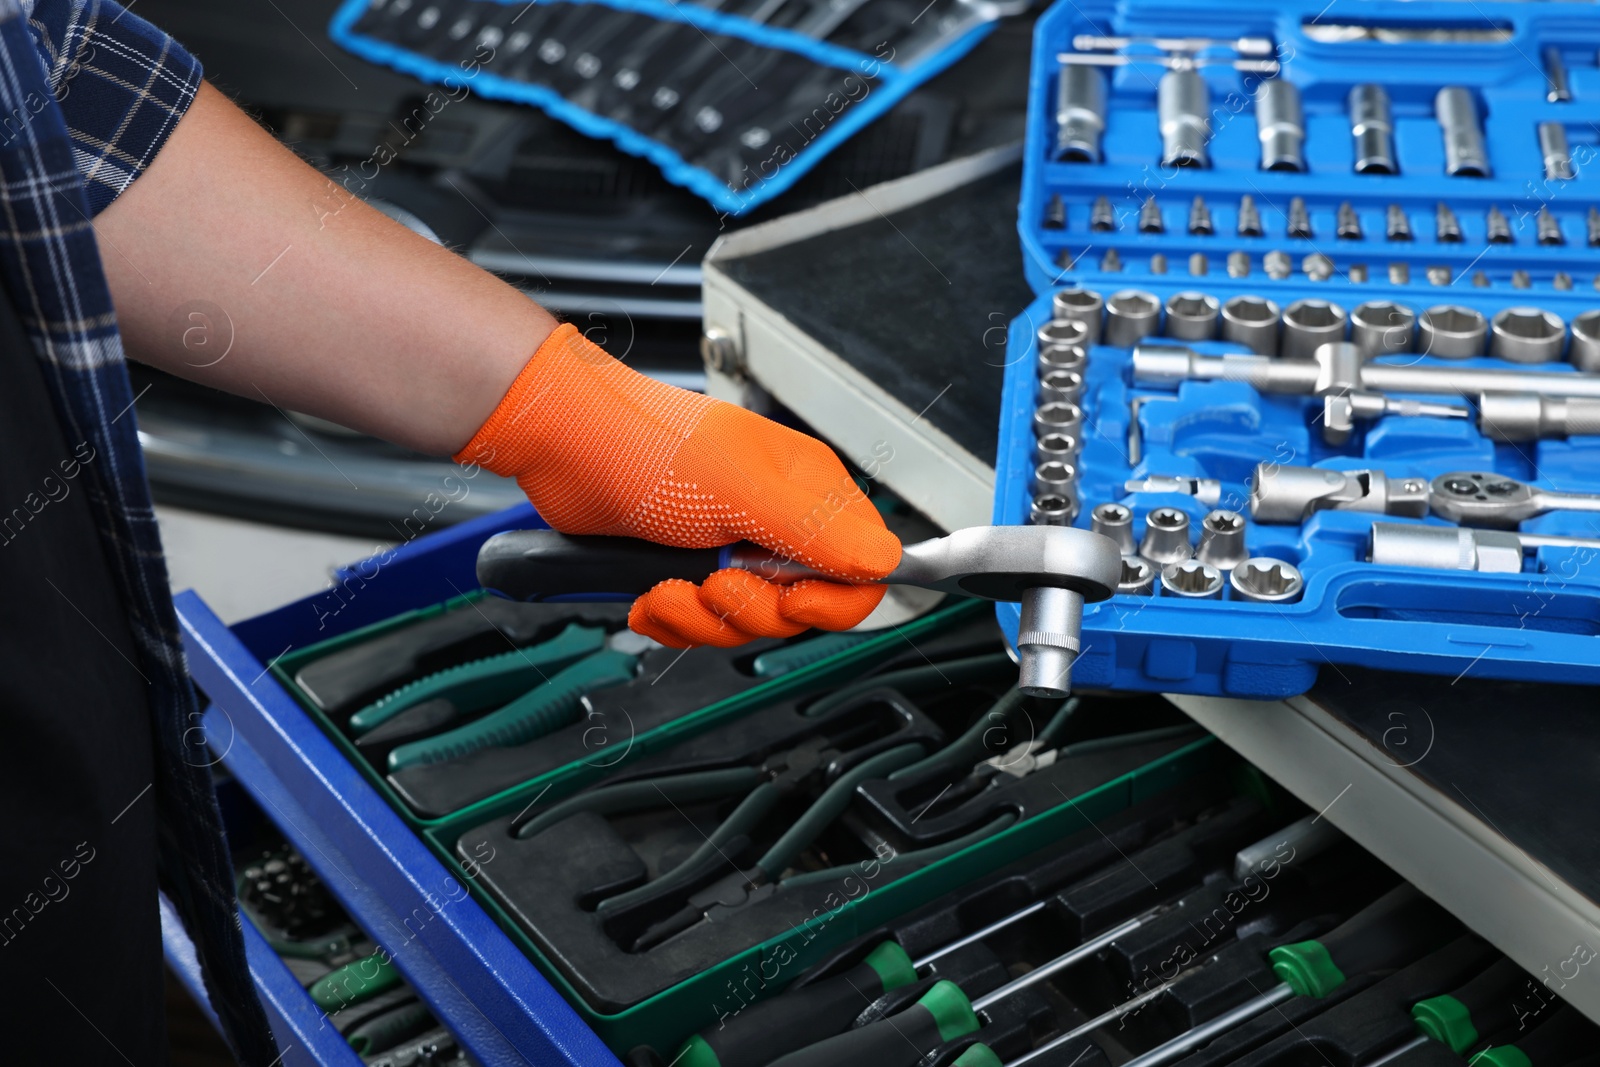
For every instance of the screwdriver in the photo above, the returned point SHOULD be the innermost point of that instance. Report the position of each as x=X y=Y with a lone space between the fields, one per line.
x=1391 y=930
x=1458 y=1019
x=793 y=1019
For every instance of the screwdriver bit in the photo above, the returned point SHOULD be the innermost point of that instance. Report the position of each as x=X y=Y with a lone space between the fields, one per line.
x=1198 y=265
x=1200 y=218
x=1238 y=264
x=1399 y=274
x=1594 y=227
x=1398 y=226
x=1277 y=264
x=1549 y=228
x=1299 y=219
x=1438 y=275
x=1562 y=280
x=1349 y=225
x=1055 y=213
x=1110 y=263
x=1448 y=226
x=1150 y=217
x=1481 y=280
x=1249 y=217
x=1102 y=219
x=1158 y=263
x=1520 y=280
x=1357 y=273
x=1317 y=267
x=1497 y=229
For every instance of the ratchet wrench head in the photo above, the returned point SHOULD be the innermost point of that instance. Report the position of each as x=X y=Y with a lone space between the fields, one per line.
x=1484 y=499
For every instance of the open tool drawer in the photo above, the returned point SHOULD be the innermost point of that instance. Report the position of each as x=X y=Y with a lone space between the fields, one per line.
x=461 y=938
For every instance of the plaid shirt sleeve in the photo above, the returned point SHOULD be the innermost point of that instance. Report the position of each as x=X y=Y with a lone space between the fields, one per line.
x=122 y=85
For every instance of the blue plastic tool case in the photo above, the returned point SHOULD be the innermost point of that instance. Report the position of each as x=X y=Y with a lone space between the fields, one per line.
x=733 y=101
x=1540 y=624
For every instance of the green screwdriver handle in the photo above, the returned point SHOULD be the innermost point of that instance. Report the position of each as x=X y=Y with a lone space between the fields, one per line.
x=536 y=713
x=1484 y=1005
x=943 y=1014
x=355 y=982
x=761 y=1033
x=1394 y=929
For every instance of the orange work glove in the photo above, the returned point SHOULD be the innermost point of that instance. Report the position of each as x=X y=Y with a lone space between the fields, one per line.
x=602 y=449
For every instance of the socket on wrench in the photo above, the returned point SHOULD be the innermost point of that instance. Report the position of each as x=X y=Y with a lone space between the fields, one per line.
x=1291 y=495
x=1265 y=580
x=1131 y=315
x=1080 y=113
x=1280 y=125
x=1517 y=417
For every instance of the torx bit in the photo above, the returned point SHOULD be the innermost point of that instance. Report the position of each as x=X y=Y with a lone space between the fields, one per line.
x=1480 y=279
x=1198 y=264
x=1238 y=264
x=1102 y=218
x=1249 y=217
x=1594 y=227
x=1398 y=227
x=1438 y=275
x=1150 y=217
x=1349 y=223
x=1562 y=280
x=1357 y=273
x=1317 y=267
x=1055 y=213
x=1299 y=218
x=1496 y=228
x=1520 y=280
x=1158 y=263
x=1110 y=263
x=1200 y=218
x=1446 y=223
x=1549 y=229
x=1399 y=274
x=1277 y=264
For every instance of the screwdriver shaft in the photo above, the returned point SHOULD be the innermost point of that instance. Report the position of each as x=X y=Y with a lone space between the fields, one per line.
x=1203 y=1033
x=1062 y=962
x=980 y=934
x=1097 y=1022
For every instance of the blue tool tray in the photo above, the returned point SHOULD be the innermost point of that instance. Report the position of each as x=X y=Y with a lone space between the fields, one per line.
x=1540 y=624
x=732 y=102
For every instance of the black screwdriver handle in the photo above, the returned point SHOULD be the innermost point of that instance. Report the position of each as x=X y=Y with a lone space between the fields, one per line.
x=761 y=1033
x=943 y=1014
x=546 y=565
x=1484 y=1005
x=1394 y=929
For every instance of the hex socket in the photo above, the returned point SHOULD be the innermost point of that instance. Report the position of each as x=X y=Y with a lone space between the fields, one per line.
x=1063 y=417
x=1382 y=328
x=1062 y=358
x=1116 y=522
x=1450 y=331
x=1192 y=580
x=1056 y=447
x=1585 y=351
x=1527 y=335
x=1264 y=580
x=1166 y=536
x=1131 y=315
x=1308 y=325
x=1080 y=113
x=1055 y=478
x=1138 y=577
x=1060 y=386
x=1372 y=130
x=1280 y=125
x=1183 y=108
x=1062 y=333
x=1192 y=316
x=1465 y=155
x=1080 y=305
x=1252 y=321
x=1053 y=509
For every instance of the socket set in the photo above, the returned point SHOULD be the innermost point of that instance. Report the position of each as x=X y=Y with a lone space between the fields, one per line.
x=1235 y=373
x=733 y=101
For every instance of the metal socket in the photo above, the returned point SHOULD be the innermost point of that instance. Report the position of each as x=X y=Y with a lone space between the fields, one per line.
x=1527 y=335
x=1055 y=478
x=1131 y=315
x=1450 y=331
x=1308 y=325
x=1063 y=358
x=1192 y=316
x=1048 y=637
x=1062 y=333
x=1138 y=577
x=1056 y=446
x=1585 y=351
x=1372 y=129
x=1264 y=580
x=1060 y=385
x=1524 y=417
x=1556 y=153
x=1222 y=539
x=1192 y=580
x=1465 y=155
x=1183 y=108
x=1252 y=321
x=1116 y=522
x=1382 y=328
x=1053 y=509
x=1280 y=125
x=1166 y=536
x=1080 y=113
x=1080 y=305
x=1063 y=417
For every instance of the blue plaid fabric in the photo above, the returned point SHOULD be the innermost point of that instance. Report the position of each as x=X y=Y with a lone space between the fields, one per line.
x=88 y=94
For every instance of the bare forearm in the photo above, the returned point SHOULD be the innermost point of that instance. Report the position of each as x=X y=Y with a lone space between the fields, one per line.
x=333 y=308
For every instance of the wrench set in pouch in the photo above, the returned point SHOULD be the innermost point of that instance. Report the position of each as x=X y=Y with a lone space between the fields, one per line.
x=1318 y=331
x=734 y=101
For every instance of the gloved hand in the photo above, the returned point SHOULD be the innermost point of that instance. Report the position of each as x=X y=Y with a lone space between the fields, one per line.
x=602 y=449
